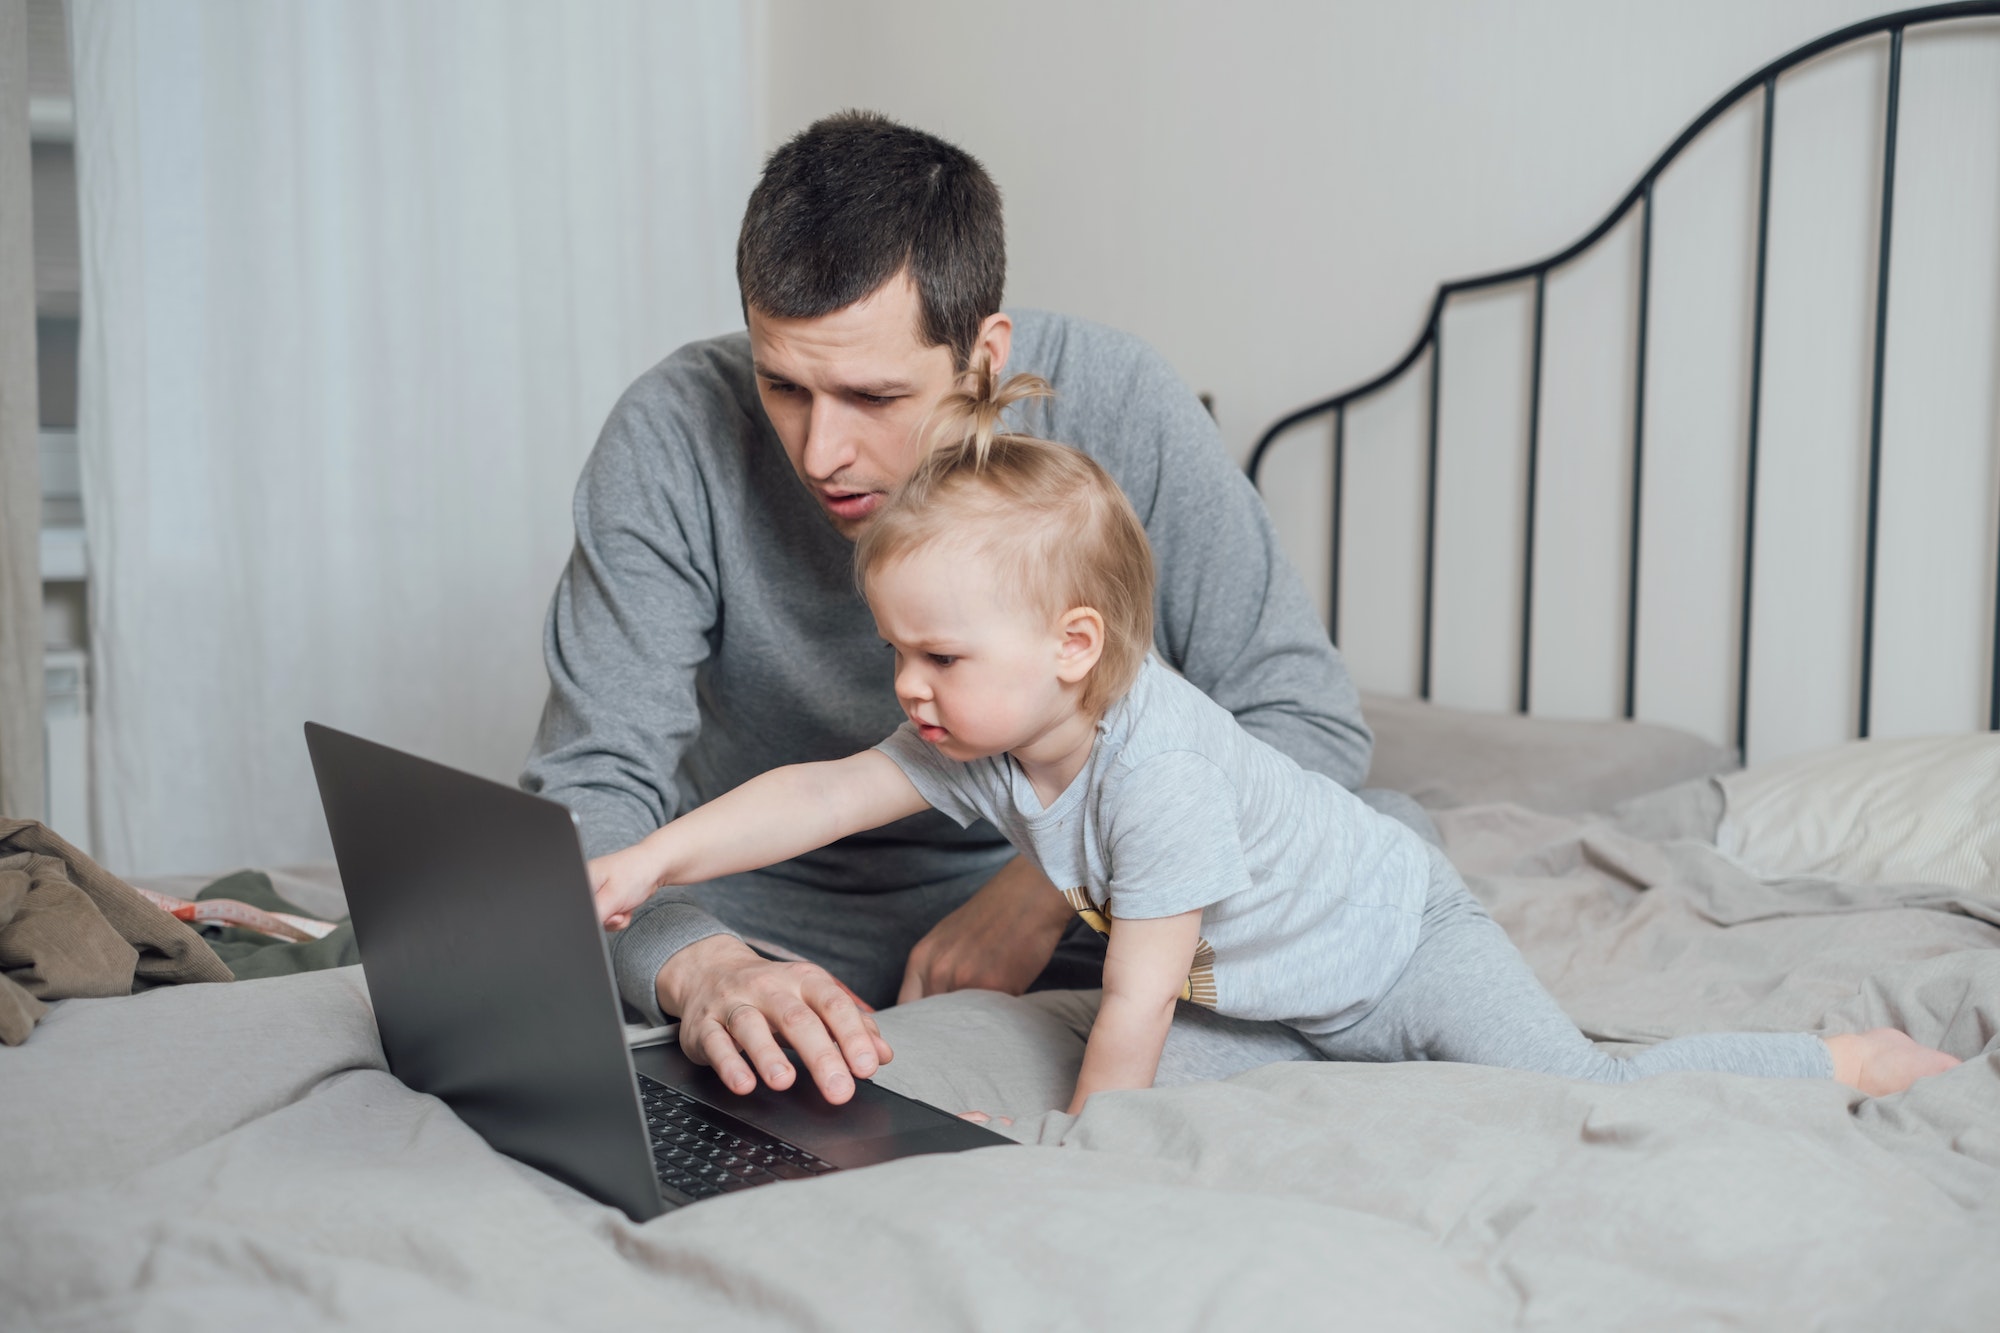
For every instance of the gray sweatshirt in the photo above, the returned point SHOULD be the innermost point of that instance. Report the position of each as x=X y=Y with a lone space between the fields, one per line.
x=707 y=627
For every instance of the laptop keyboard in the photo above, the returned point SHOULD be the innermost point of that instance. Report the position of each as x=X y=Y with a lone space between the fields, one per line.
x=698 y=1157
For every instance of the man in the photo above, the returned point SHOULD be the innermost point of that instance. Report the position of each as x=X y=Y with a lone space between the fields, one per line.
x=707 y=627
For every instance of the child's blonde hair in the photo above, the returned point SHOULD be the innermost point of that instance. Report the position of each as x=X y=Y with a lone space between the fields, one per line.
x=1062 y=530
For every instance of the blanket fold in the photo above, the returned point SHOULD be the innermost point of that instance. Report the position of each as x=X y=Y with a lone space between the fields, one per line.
x=69 y=928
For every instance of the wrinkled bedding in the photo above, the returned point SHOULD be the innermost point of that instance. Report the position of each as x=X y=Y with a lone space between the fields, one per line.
x=230 y=1156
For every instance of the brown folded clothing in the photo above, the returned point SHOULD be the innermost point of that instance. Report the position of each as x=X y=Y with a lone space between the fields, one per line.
x=69 y=928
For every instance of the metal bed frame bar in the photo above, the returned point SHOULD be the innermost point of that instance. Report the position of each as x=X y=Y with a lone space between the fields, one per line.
x=1641 y=196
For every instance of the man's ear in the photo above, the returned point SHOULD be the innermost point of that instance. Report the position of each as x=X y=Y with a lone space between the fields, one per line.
x=1081 y=644
x=995 y=341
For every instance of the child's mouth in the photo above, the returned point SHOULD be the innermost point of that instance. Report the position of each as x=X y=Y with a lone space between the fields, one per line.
x=929 y=732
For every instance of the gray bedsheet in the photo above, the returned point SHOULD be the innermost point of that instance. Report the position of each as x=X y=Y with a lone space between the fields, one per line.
x=235 y=1156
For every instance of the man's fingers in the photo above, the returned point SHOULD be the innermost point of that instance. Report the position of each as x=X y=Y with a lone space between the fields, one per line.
x=860 y=1047
x=741 y=1024
x=916 y=972
x=718 y=1049
x=930 y=974
x=752 y=1031
x=883 y=1055
x=806 y=1030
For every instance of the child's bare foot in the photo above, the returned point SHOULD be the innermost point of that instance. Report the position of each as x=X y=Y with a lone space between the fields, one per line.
x=1884 y=1060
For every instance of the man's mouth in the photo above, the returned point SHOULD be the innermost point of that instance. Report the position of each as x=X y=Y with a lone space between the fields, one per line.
x=849 y=505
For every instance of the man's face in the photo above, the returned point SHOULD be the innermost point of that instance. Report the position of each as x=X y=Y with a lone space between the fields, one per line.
x=847 y=392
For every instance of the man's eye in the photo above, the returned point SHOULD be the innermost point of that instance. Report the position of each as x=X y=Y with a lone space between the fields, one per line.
x=779 y=386
x=875 y=399
x=942 y=659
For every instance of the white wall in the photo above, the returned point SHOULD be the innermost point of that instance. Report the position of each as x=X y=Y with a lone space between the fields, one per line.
x=1269 y=193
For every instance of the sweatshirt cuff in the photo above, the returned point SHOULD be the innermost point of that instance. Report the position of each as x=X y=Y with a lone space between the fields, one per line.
x=656 y=934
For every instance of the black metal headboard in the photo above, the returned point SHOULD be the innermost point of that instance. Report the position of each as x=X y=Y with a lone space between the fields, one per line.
x=1641 y=197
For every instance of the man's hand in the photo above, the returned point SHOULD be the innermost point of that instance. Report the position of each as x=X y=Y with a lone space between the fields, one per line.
x=1000 y=939
x=735 y=1008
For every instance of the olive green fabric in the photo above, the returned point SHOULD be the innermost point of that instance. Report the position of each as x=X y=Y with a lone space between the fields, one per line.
x=249 y=954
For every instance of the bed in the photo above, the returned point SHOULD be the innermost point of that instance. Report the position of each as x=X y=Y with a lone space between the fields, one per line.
x=237 y=1156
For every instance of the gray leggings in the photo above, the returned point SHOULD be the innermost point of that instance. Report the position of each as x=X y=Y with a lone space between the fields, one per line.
x=1467 y=996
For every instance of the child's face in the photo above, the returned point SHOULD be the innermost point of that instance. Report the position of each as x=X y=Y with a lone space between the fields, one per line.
x=978 y=673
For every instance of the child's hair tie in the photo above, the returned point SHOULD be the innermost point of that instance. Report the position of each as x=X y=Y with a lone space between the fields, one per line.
x=969 y=418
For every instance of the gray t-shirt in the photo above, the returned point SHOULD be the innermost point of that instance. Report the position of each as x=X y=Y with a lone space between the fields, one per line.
x=1311 y=902
x=707 y=628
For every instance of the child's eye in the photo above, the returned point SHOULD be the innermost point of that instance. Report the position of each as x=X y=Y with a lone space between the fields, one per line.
x=942 y=659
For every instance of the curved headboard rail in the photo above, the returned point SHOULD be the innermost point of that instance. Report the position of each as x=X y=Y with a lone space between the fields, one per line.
x=1640 y=196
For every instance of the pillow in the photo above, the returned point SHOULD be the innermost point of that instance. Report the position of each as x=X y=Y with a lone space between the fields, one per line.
x=1448 y=757
x=978 y=1050
x=1923 y=811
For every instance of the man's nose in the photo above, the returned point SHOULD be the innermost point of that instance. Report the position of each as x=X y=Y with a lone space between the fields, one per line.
x=829 y=441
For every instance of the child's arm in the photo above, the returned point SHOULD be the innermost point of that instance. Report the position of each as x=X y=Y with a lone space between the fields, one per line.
x=1145 y=966
x=772 y=817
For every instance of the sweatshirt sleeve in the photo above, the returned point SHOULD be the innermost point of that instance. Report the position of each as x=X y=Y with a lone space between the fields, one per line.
x=627 y=629
x=1233 y=615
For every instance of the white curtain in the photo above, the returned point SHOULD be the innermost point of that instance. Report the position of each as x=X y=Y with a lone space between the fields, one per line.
x=361 y=281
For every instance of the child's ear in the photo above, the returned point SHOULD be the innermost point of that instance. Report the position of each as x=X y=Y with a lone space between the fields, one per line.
x=1081 y=643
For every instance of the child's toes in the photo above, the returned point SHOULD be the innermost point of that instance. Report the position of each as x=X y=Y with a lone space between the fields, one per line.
x=1934 y=1062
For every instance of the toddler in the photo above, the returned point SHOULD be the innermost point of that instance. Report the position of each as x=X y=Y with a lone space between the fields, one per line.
x=1013 y=583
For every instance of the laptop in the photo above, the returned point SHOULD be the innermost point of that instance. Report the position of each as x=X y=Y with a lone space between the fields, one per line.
x=492 y=989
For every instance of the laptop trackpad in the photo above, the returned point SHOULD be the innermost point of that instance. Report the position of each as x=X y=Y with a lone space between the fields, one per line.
x=910 y=1143
x=876 y=1126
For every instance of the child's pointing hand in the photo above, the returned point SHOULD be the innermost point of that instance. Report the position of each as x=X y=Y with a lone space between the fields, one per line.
x=620 y=883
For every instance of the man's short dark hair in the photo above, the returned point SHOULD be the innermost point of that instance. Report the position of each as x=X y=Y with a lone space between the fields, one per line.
x=853 y=200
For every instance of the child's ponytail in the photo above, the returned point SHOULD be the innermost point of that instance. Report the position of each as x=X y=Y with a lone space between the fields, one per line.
x=1055 y=525
x=967 y=421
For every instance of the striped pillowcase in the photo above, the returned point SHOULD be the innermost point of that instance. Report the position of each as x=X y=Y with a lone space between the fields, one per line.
x=1876 y=812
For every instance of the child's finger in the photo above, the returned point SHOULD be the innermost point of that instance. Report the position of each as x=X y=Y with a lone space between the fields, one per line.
x=611 y=911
